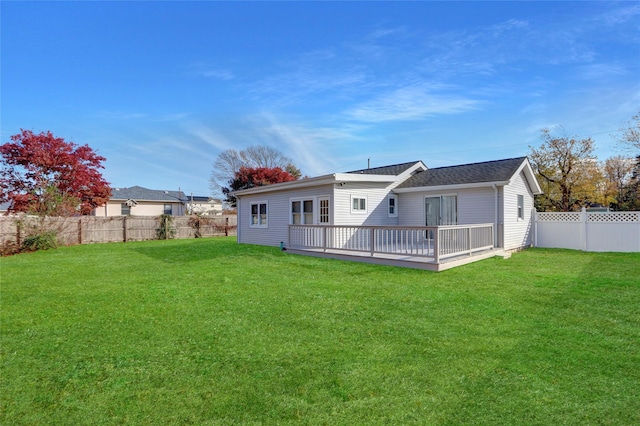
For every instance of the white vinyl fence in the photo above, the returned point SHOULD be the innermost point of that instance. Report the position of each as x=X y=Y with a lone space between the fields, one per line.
x=589 y=231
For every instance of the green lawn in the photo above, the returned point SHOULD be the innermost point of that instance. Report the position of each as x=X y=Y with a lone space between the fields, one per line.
x=206 y=331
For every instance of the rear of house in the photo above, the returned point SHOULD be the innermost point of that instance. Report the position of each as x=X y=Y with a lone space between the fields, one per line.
x=408 y=194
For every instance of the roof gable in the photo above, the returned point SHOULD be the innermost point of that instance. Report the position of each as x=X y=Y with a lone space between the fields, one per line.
x=485 y=172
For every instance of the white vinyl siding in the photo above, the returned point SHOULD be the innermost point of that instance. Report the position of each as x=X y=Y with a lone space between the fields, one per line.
x=376 y=195
x=473 y=206
x=517 y=232
x=279 y=214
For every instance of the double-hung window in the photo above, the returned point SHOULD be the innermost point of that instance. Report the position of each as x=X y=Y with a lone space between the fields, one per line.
x=393 y=205
x=259 y=215
x=302 y=212
x=167 y=209
x=125 y=209
x=521 y=207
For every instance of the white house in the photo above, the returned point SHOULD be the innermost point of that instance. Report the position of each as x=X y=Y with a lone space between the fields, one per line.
x=405 y=196
x=203 y=205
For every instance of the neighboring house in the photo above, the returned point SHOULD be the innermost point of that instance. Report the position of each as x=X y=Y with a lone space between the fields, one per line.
x=139 y=201
x=409 y=195
x=4 y=207
x=204 y=205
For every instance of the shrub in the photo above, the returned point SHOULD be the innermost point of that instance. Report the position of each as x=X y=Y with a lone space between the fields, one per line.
x=42 y=241
x=166 y=229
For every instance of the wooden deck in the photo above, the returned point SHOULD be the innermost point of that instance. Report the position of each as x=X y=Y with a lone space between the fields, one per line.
x=430 y=248
x=401 y=260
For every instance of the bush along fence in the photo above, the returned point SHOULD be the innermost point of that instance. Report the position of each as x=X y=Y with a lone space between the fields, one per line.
x=14 y=230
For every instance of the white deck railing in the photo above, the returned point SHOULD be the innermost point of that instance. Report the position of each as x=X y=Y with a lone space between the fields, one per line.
x=437 y=242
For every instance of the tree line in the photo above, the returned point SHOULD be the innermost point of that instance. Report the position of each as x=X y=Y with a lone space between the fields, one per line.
x=572 y=177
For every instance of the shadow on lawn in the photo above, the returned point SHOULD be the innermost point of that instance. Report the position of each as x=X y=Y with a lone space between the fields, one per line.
x=174 y=253
x=180 y=253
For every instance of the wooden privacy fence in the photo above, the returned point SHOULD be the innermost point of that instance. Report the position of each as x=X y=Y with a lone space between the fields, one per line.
x=89 y=229
x=589 y=231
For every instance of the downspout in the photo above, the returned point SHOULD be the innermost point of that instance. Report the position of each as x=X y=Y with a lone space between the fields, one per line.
x=495 y=216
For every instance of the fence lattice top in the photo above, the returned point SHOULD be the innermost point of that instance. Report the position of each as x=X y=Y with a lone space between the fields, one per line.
x=610 y=217
x=558 y=217
x=618 y=217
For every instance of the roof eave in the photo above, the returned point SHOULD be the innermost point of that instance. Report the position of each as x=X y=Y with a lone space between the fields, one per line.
x=316 y=181
x=301 y=183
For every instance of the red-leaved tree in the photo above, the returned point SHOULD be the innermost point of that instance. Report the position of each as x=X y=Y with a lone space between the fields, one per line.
x=48 y=176
x=248 y=177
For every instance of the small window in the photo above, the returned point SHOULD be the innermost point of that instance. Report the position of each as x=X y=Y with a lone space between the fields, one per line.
x=393 y=206
x=125 y=209
x=521 y=207
x=258 y=215
x=167 y=209
x=358 y=205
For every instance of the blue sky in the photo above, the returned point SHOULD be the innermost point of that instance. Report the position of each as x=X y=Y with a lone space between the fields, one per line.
x=161 y=88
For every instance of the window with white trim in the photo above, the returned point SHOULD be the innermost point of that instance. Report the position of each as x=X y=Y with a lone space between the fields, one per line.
x=302 y=212
x=521 y=207
x=259 y=215
x=393 y=206
x=358 y=204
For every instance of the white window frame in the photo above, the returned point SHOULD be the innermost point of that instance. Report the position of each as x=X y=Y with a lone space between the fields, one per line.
x=260 y=224
x=301 y=200
x=360 y=198
x=395 y=205
x=520 y=206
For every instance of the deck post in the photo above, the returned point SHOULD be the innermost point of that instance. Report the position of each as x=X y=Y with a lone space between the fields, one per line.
x=372 y=240
x=469 y=239
x=436 y=248
x=324 y=239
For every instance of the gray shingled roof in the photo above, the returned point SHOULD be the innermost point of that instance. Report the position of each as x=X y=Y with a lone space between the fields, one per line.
x=393 y=170
x=490 y=171
x=139 y=193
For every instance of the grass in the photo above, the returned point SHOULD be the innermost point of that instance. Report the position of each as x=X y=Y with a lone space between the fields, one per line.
x=209 y=332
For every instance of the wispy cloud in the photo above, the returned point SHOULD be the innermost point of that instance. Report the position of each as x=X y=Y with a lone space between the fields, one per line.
x=412 y=103
x=319 y=72
x=621 y=15
x=597 y=71
x=311 y=145
x=209 y=136
x=208 y=71
x=121 y=115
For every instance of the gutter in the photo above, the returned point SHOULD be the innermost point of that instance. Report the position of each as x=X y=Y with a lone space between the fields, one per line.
x=451 y=187
x=495 y=213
